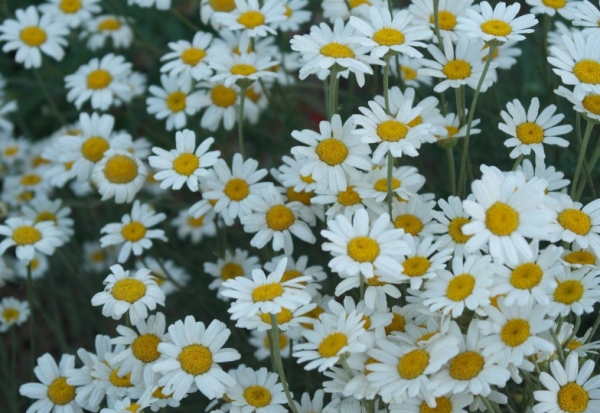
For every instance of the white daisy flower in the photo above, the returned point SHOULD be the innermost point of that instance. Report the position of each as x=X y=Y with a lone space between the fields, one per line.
x=551 y=7
x=295 y=14
x=102 y=81
x=127 y=405
x=414 y=217
x=53 y=394
x=208 y=9
x=132 y=294
x=185 y=164
x=195 y=228
x=119 y=174
x=554 y=178
x=496 y=24
x=569 y=388
x=96 y=259
x=252 y=18
x=39 y=265
x=175 y=101
x=289 y=175
x=452 y=216
x=42 y=209
x=31 y=35
x=374 y=320
x=169 y=277
x=220 y=103
x=578 y=257
x=406 y=182
x=422 y=261
x=29 y=236
x=339 y=9
x=451 y=403
x=193 y=358
x=409 y=70
x=13 y=312
x=575 y=291
x=134 y=231
x=238 y=264
x=344 y=202
x=107 y=380
x=13 y=150
x=297 y=268
x=448 y=13
x=72 y=12
x=159 y=4
x=256 y=391
x=107 y=26
x=585 y=14
x=188 y=59
x=589 y=105
x=233 y=68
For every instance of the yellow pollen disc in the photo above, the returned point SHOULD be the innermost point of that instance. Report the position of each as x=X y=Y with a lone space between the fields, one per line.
x=158 y=393
x=408 y=73
x=416 y=266
x=356 y=3
x=236 y=189
x=425 y=337
x=337 y=51
x=460 y=287
x=290 y=275
x=568 y=292
x=466 y=365
x=93 y=148
x=575 y=221
x=10 y=314
x=455 y=230
x=288 y=12
x=280 y=218
x=222 y=5
x=284 y=316
x=120 y=169
x=253 y=95
x=446 y=20
x=117 y=381
x=283 y=340
x=375 y=282
x=411 y=224
x=30 y=179
x=223 y=96
x=26 y=235
x=314 y=313
x=33 y=36
x=134 y=231
x=367 y=322
x=25 y=196
x=242 y=69
x=186 y=163
x=526 y=276
x=381 y=184
x=99 y=79
x=302 y=196
x=587 y=71
x=529 y=133
x=70 y=6
x=452 y=130
x=231 y=270
x=60 y=393
x=573 y=398
x=129 y=290
x=501 y=219
x=176 y=101
x=332 y=344
x=109 y=25
x=195 y=359
x=267 y=292
x=257 y=396
x=413 y=364
x=363 y=249
x=251 y=19
x=555 y=4
x=392 y=131
x=68 y=165
x=388 y=37
x=97 y=256
x=11 y=151
x=38 y=160
x=415 y=122
x=496 y=27
x=349 y=197
x=196 y=222
x=457 y=69
x=574 y=344
x=145 y=348
x=45 y=216
x=133 y=408
x=580 y=257
x=591 y=103
x=442 y=405
x=307 y=179
x=159 y=279
x=398 y=324
x=332 y=151
x=515 y=332
x=192 y=56
x=34 y=263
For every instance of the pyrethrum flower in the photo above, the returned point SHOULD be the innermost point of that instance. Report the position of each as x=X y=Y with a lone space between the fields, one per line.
x=13 y=312
x=71 y=12
x=252 y=18
x=256 y=391
x=29 y=236
x=231 y=68
x=448 y=12
x=575 y=291
x=119 y=174
x=175 y=101
x=187 y=59
x=231 y=266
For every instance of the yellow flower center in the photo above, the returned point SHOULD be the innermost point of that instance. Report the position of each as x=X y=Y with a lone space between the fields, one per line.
x=408 y=73
x=374 y=281
x=415 y=122
x=223 y=96
x=529 y=133
x=526 y=276
x=120 y=169
x=145 y=348
x=574 y=344
x=117 y=381
x=496 y=27
x=231 y=270
x=284 y=316
x=457 y=69
x=573 y=398
x=575 y=221
x=243 y=69
x=413 y=364
x=26 y=235
x=290 y=275
x=587 y=71
x=99 y=79
x=186 y=163
x=392 y=130
x=257 y=396
x=302 y=196
x=349 y=197
x=253 y=95
x=192 y=56
x=129 y=290
x=236 y=189
x=222 y=5
x=388 y=37
x=580 y=257
x=356 y=3
x=33 y=36
x=591 y=103
x=555 y=4
x=10 y=314
x=443 y=405
x=60 y=393
x=568 y=292
x=398 y=324
x=267 y=292
x=176 y=101
x=381 y=184
x=97 y=256
x=11 y=150
x=337 y=51
x=515 y=332
x=93 y=148
x=455 y=230
x=109 y=25
x=30 y=179
x=288 y=12
x=280 y=218
x=460 y=287
x=251 y=19
x=501 y=219
x=45 y=216
x=332 y=151
x=196 y=222
x=314 y=313
x=446 y=20
x=466 y=365
x=283 y=340
x=411 y=224
x=195 y=359
x=416 y=266
x=134 y=231
x=363 y=249
x=158 y=393
x=70 y=6
x=133 y=408
x=332 y=344
x=452 y=130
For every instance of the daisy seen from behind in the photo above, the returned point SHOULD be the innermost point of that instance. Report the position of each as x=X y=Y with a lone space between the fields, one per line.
x=107 y=26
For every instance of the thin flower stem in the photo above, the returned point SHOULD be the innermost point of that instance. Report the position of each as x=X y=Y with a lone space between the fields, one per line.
x=390 y=173
x=279 y=364
x=517 y=162
x=386 y=80
x=575 y=330
x=164 y=270
x=436 y=24
x=270 y=338
x=488 y=404
x=462 y=180
x=241 y=121
x=48 y=97
x=451 y=170
x=368 y=405
x=184 y=19
x=591 y=165
x=460 y=104
x=361 y=279
x=332 y=103
x=594 y=328
x=561 y=354
x=586 y=140
x=31 y=317
x=13 y=364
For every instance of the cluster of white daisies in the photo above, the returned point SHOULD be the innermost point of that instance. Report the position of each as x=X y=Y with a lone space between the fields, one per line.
x=442 y=305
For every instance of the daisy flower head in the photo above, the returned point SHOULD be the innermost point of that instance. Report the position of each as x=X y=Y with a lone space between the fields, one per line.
x=187 y=60
x=334 y=154
x=578 y=257
x=585 y=14
x=414 y=217
x=409 y=70
x=503 y=213
x=499 y=24
x=127 y=405
x=575 y=291
x=209 y=9
x=339 y=9
x=569 y=388
x=192 y=359
x=345 y=202
x=406 y=182
x=530 y=129
x=551 y=7
x=237 y=264
x=13 y=312
x=31 y=35
x=448 y=12
x=107 y=26
x=452 y=216
x=453 y=403
x=297 y=268
x=42 y=209
x=195 y=228
x=254 y=19
x=361 y=246
x=185 y=164
x=102 y=81
x=588 y=106
x=29 y=236
x=52 y=394
x=175 y=101
x=39 y=265
x=242 y=69
x=383 y=32
x=256 y=391
x=295 y=14
x=219 y=102
x=119 y=174
x=72 y=12
x=463 y=66
x=325 y=48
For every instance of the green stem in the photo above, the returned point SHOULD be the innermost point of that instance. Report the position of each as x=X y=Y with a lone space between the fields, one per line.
x=390 y=173
x=48 y=97
x=361 y=285
x=575 y=330
x=517 y=162
x=241 y=121
x=31 y=318
x=279 y=363
x=436 y=24
x=586 y=140
x=561 y=354
x=460 y=105
x=332 y=103
x=591 y=165
x=451 y=170
x=386 y=79
x=594 y=328
x=164 y=270
x=184 y=20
